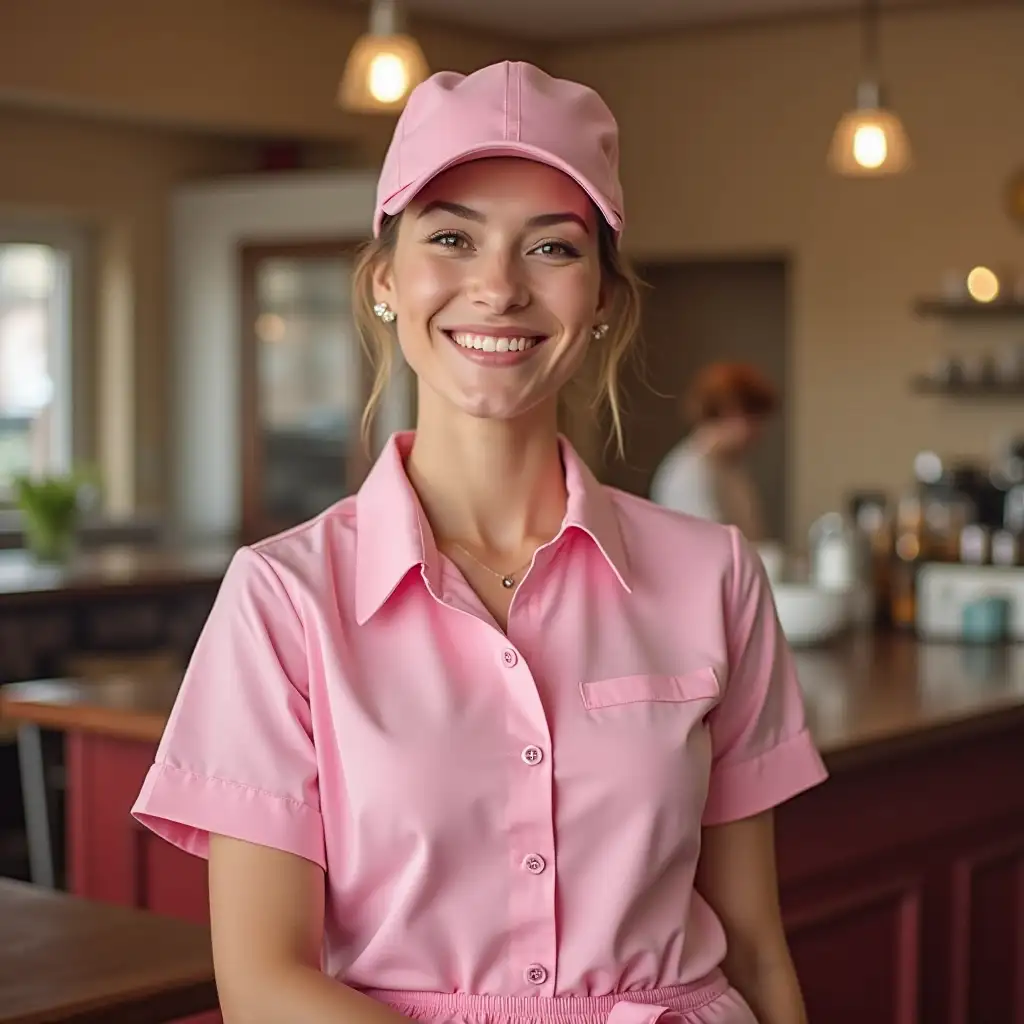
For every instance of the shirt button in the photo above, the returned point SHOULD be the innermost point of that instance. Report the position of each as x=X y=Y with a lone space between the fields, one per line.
x=534 y=863
x=510 y=657
x=533 y=755
x=536 y=975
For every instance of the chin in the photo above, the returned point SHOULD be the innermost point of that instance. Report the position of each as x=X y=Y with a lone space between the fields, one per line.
x=497 y=404
x=488 y=407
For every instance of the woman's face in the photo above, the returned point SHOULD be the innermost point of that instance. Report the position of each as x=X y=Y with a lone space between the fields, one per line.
x=496 y=282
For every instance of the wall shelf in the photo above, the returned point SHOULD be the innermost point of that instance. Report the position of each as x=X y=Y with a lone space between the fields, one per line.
x=966 y=308
x=924 y=385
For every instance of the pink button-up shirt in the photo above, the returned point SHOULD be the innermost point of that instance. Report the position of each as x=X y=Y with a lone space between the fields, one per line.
x=507 y=813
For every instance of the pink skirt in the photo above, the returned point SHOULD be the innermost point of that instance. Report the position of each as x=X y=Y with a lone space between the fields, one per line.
x=709 y=1001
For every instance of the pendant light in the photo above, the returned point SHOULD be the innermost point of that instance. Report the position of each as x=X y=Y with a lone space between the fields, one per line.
x=869 y=140
x=384 y=66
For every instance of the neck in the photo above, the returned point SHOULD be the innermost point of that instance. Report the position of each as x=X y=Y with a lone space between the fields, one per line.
x=707 y=439
x=493 y=485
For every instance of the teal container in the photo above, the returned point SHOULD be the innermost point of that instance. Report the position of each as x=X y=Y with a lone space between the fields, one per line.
x=986 y=620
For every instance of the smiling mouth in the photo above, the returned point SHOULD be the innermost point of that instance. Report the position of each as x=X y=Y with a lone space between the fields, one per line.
x=494 y=343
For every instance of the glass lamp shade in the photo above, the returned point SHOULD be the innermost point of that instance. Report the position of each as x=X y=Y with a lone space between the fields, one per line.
x=380 y=73
x=869 y=140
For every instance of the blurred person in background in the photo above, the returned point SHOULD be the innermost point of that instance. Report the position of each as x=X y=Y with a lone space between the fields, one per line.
x=705 y=474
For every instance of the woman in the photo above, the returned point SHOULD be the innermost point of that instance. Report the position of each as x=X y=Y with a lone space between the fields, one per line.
x=704 y=475
x=468 y=747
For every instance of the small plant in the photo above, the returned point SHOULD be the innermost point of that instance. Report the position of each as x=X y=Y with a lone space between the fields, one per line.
x=50 y=507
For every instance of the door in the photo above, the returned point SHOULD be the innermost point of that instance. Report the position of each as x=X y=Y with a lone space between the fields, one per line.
x=305 y=380
x=697 y=313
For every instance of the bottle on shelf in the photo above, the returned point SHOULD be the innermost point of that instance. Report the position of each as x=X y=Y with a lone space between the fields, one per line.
x=872 y=518
x=1006 y=548
x=907 y=555
x=975 y=544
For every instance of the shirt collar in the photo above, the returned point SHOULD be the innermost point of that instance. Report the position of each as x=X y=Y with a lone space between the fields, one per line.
x=393 y=535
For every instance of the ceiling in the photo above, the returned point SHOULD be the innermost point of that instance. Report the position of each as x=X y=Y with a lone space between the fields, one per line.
x=557 y=19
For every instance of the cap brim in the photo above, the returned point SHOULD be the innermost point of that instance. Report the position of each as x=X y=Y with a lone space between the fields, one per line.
x=397 y=202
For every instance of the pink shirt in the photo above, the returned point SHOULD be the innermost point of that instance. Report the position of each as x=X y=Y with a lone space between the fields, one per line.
x=510 y=814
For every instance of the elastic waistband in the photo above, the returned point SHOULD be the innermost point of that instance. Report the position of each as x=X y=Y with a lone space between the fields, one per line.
x=553 y=1009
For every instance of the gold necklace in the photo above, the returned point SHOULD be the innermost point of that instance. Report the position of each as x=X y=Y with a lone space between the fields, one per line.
x=508 y=579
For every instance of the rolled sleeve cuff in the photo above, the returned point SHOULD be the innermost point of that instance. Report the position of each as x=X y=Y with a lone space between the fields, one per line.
x=745 y=788
x=184 y=808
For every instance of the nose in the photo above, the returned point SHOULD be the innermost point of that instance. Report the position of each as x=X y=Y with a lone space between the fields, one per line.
x=499 y=283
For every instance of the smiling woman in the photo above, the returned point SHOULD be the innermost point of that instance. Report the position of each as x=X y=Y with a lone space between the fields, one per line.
x=490 y=743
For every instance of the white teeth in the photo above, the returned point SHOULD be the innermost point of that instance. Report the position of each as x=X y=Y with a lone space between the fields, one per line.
x=490 y=343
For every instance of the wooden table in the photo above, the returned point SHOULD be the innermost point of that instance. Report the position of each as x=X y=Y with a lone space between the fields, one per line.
x=66 y=959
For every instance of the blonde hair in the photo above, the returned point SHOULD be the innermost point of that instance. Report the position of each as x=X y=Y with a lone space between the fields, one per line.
x=621 y=285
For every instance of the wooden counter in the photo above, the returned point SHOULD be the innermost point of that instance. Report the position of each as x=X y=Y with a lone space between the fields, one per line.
x=902 y=877
x=869 y=697
x=877 y=695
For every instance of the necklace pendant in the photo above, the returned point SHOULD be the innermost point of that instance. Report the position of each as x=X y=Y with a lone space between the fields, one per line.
x=508 y=582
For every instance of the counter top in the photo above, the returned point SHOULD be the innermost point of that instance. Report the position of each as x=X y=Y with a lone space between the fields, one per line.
x=111 y=568
x=867 y=696
x=876 y=694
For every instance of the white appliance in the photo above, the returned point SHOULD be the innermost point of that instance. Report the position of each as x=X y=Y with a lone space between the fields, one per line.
x=944 y=588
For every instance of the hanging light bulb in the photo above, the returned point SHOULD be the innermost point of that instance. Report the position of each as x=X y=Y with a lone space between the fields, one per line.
x=869 y=140
x=384 y=66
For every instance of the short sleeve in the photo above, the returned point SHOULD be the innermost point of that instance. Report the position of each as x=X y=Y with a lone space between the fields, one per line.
x=237 y=756
x=762 y=752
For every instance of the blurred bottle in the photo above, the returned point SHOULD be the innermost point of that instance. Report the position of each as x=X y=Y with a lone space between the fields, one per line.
x=872 y=518
x=907 y=555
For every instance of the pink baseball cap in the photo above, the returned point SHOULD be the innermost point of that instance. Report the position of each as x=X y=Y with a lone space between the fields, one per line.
x=506 y=109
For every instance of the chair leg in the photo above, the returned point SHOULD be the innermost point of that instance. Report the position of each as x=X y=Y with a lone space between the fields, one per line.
x=37 y=806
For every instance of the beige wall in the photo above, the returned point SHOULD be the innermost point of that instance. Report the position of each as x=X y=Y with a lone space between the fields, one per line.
x=253 y=66
x=724 y=135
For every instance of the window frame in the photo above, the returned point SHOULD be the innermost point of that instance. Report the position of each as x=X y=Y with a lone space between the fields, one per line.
x=73 y=441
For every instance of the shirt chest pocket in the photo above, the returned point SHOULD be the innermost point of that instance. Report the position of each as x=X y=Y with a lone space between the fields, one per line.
x=698 y=688
x=649 y=740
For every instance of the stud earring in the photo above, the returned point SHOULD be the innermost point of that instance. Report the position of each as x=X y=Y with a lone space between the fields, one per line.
x=599 y=331
x=385 y=312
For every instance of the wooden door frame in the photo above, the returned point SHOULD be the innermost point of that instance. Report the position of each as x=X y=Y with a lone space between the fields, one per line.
x=250 y=254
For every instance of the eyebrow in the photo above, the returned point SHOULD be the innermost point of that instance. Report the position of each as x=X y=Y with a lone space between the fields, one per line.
x=543 y=220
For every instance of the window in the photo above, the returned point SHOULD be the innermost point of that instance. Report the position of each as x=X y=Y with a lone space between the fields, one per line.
x=35 y=364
